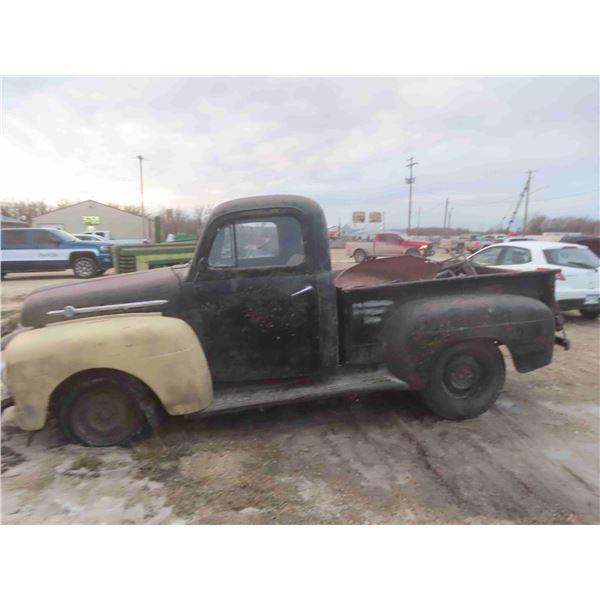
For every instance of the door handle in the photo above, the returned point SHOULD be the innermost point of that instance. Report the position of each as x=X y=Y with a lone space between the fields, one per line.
x=308 y=288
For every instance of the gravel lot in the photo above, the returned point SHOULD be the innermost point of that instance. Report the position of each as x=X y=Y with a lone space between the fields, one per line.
x=382 y=458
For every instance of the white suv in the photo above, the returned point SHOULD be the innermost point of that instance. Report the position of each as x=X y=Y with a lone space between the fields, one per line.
x=577 y=282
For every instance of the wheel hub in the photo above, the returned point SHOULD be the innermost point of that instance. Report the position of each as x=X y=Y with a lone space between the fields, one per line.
x=463 y=373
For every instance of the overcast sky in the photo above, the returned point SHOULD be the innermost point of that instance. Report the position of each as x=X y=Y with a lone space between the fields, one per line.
x=342 y=141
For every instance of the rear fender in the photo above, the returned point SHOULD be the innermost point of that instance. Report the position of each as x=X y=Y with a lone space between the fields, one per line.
x=419 y=330
x=162 y=352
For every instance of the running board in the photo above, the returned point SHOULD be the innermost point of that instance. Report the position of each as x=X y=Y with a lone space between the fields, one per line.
x=247 y=396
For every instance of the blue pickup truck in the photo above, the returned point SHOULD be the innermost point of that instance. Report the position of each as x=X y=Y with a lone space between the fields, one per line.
x=37 y=249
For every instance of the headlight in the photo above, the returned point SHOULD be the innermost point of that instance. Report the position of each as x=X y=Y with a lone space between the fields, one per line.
x=423 y=247
x=104 y=248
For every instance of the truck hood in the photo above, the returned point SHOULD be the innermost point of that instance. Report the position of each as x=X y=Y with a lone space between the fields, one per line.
x=156 y=284
x=414 y=242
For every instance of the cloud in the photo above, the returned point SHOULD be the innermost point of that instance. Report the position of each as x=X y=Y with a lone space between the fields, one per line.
x=343 y=141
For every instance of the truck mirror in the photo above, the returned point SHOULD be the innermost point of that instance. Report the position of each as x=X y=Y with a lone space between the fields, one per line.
x=202 y=264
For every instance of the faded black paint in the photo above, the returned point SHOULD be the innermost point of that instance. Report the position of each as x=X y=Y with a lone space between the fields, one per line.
x=253 y=328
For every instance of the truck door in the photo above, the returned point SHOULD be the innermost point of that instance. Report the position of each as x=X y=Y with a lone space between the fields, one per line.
x=255 y=301
x=49 y=250
x=379 y=245
x=390 y=245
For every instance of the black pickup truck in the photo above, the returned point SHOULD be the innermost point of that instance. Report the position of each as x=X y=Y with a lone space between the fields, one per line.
x=258 y=317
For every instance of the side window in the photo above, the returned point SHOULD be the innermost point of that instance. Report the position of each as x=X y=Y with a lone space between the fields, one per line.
x=256 y=240
x=44 y=238
x=268 y=242
x=221 y=252
x=516 y=256
x=488 y=257
x=13 y=238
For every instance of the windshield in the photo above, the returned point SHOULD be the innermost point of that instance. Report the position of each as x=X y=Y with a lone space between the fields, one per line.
x=572 y=256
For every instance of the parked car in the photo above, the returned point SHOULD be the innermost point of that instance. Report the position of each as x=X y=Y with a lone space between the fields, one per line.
x=577 y=277
x=39 y=249
x=591 y=241
x=90 y=237
x=107 y=236
x=258 y=318
x=477 y=243
x=388 y=244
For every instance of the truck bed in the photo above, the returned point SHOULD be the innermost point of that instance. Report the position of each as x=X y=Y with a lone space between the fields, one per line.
x=363 y=309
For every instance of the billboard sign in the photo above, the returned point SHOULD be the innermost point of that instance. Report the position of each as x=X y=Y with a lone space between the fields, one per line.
x=358 y=217
x=375 y=217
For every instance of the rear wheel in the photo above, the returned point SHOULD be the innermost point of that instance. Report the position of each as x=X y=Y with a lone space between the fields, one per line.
x=360 y=255
x=589 y=313
x=466 y=380
x=85 y=267
x=106 y=409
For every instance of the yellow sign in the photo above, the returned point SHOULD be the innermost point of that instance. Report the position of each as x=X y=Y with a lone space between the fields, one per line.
x=91 y=220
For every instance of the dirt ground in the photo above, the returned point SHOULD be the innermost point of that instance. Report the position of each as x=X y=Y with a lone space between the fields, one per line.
x=383 y=458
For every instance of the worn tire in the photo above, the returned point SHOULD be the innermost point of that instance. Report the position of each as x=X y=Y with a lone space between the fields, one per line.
x=360 y=255
x=466 y=379
x=106 y=408
x=84 y=267
x=589 y=314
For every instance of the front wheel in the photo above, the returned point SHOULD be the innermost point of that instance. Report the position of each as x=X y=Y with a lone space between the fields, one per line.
x=466 y=380
x=413 y=252
x=360 y=255
x=590 y=314
x=85 y=267
x=106 y=409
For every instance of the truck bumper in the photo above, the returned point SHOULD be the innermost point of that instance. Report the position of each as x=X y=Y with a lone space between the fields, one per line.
x=105 y=262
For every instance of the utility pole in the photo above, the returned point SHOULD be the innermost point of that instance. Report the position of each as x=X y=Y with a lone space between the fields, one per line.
x=450 y=217
x=419 y=218
x=528 y=185
x=141 y=158
x=446 y=216
x=410 y=163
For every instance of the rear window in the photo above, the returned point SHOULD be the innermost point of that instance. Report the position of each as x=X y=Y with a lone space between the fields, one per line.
x=13 y=237
x=582 y=258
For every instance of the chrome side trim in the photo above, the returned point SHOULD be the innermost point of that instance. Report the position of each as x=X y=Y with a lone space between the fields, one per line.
x=70 y=311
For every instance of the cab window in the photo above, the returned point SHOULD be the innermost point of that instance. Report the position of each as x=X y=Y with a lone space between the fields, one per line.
x=13 y=238
x=41 y=237
x=251 y=243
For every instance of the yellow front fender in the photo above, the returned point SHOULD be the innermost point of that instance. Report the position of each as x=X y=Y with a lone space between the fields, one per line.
x=163 y=352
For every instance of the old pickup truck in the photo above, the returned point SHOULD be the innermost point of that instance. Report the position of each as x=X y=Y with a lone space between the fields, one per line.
x=388 y=244
x=258 y=318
